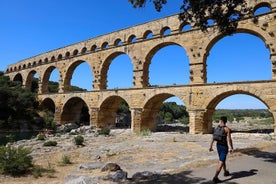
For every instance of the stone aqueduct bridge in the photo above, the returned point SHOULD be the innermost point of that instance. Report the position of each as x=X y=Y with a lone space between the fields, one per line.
x=144 y=101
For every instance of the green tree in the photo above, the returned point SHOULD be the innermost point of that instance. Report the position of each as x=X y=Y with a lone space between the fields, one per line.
x=123 y=108
x=15 y=161
x=17 y=104
x=168 y=118
x=170 y=111
x=225 y=13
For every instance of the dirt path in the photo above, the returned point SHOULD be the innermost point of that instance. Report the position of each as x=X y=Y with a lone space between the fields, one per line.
x=252 y=166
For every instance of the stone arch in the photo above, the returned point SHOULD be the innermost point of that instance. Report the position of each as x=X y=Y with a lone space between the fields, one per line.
x=105 y=46
x=67 y=55
x=53 y=58
x=18 y=77
x=216 y=38
x=105 y=67
x=233 y=51
x=93 y=48
x=75 y=52
x=210 y=108
x=59 y=57
x=259 y=34
x=75 y=110
x=118 y=42
x=131 y=39
x=29 y=80
x=261 y=5
x=69 y=74
x=46 y=78
x=210 y=22
x=185 y=27
x=150 y=111
x=83 y=50
x=148 y=34
x=165 y=31
x=149 y=57
x=108 y=111
x=48 y=104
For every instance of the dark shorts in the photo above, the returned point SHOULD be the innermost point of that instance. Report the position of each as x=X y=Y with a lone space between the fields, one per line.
x=222 y=152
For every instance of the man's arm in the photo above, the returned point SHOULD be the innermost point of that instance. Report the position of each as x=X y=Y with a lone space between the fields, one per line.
x=211 y=145
x=229 y=138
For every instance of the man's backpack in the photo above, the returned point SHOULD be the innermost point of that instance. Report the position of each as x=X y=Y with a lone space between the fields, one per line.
x=219 y=133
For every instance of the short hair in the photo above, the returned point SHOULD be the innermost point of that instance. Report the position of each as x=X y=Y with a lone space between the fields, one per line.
x=223 y=118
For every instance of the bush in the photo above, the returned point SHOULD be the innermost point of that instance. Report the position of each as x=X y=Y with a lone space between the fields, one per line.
x=15 y=161
x=41 y=137
x=50 y=143
x=39 y=171
x=145 y=132
x=79 y=140
x=65 y=160
x=104 y=131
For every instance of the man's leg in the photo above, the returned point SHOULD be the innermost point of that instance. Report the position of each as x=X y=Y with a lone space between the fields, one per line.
x=224 y=166
x=220 y=165
x=226 y=172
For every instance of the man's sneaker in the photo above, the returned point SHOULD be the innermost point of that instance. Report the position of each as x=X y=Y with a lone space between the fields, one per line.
x=226 y=173
x=216 y=180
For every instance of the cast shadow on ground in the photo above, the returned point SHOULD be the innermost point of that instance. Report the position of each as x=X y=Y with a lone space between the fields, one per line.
x=172 y=128
x=240 y=174
x=255 y=152
x=187 y=177
x=256 y=130
x=177 y=178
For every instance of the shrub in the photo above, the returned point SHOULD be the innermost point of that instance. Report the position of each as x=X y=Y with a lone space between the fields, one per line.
x=50 y=143
x=49 y=120
x=39 y=171
x=145 y=132
x=65 y=160
x=79 y=140
x=104 y=131
x=15 y=161
x=41 y=137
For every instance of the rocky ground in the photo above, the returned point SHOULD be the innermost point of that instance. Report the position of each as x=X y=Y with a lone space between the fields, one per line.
x=170 y=150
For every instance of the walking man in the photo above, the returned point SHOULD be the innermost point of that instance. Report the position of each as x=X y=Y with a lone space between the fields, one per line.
x=222 y=148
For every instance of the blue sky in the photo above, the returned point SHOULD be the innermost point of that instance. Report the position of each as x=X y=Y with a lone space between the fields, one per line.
x=32 y=27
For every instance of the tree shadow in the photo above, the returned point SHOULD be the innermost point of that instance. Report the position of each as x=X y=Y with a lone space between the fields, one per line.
x=255 y=152
x=256 y=130
x=177 y=178
x=172 y=128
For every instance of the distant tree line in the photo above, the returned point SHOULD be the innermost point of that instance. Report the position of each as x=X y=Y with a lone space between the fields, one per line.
x=240 y=114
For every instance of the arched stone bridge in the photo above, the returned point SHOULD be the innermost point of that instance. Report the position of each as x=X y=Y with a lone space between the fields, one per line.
x=199 y=97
